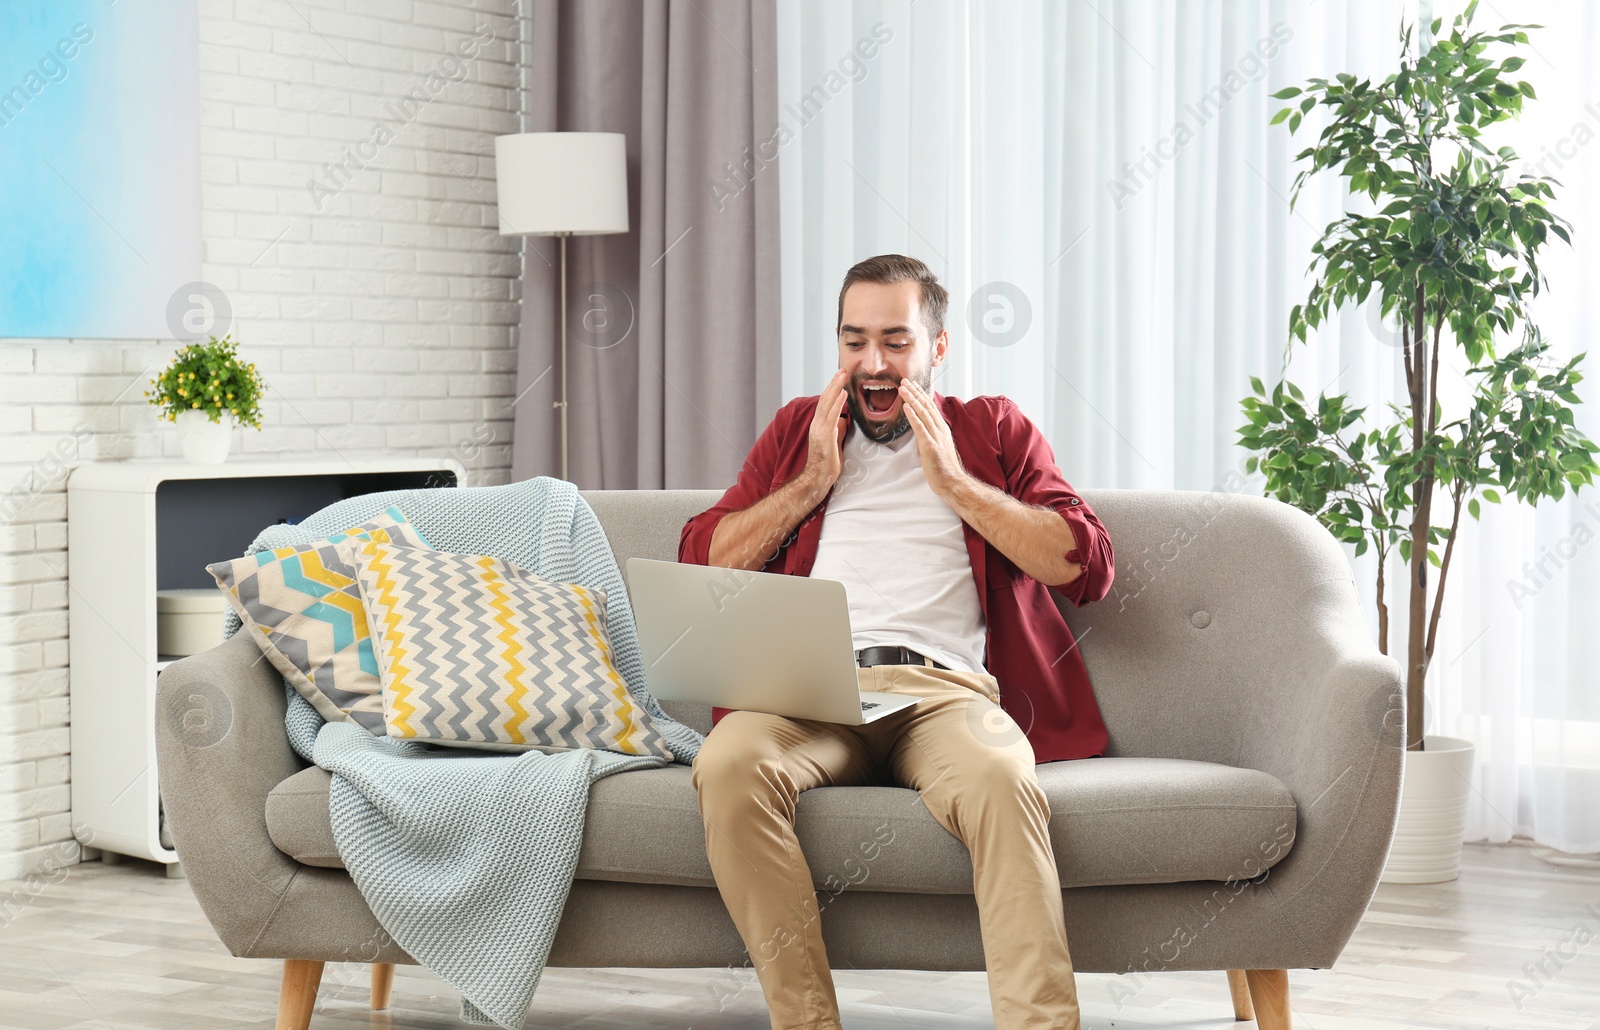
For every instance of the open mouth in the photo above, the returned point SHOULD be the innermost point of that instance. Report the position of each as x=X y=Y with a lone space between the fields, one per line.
x=879 y=398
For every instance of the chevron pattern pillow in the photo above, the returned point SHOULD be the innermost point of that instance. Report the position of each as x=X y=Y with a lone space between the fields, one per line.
x=475 y=652
x=303 y=608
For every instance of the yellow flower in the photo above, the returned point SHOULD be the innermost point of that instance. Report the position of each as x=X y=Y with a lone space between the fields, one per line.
x=171 y=417
x=182 y=392
x=196 y=404
x=230 y=396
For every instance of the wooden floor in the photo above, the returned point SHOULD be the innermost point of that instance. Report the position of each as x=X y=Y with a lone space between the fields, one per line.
x=122 y=946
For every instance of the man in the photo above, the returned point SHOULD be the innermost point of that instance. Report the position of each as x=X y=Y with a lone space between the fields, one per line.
x=945 y=521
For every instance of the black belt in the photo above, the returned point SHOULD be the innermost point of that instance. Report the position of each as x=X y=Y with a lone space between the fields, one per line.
x=886 y=655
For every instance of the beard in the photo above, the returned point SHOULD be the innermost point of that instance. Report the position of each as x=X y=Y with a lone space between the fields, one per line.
x=877 y=429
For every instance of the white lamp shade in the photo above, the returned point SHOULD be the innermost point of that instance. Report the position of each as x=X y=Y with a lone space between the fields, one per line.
x=562 y=182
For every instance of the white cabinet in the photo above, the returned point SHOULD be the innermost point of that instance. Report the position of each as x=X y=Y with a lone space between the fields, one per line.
x=137 y=527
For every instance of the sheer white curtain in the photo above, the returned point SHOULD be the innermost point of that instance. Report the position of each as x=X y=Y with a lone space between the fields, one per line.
x=1097 y=185
x=1520 y=672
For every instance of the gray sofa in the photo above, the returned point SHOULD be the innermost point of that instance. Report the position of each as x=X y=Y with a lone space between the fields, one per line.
x=1239 y=822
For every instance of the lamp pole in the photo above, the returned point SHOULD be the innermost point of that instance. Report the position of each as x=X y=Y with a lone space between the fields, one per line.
x=562 y=402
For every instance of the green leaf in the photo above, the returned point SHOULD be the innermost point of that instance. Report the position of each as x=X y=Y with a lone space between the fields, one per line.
x=1472 y=507
x=1281 y=115
x=1286 y=92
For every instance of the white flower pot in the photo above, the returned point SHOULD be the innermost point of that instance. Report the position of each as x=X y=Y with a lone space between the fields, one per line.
x=204 y=442
x=1433 y=813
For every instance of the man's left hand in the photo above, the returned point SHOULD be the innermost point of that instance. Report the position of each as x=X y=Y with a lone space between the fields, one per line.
x=941 y=464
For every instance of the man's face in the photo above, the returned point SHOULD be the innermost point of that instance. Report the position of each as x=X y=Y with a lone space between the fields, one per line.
x=882 y=340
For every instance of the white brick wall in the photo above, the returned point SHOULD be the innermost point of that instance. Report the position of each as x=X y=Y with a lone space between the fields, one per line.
x=382 y=323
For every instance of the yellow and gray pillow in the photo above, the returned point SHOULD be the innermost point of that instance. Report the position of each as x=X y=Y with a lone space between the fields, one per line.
x=475 y=652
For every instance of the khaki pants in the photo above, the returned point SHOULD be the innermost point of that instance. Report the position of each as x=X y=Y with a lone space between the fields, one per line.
x=975 y=771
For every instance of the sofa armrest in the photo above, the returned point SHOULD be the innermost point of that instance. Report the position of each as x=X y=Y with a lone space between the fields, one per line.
x=221 y=747
x=1335 y=736
x=1328 y=698
x=1235 y=635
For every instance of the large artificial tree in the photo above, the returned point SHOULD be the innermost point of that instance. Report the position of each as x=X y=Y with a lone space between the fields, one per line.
x=1451 y=250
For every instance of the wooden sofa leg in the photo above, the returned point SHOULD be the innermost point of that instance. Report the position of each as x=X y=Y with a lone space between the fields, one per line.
x=298 y=995
x=1240 y=989
x=382 y=984
x=1269 y=992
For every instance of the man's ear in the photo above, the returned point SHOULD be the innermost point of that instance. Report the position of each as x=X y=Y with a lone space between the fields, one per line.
x=941 y=346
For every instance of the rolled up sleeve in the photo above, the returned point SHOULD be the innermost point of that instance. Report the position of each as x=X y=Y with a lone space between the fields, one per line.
x=754 y=482
x=1033 y=478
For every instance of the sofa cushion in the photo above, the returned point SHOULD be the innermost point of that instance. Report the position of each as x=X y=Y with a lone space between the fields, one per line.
x=1112 y=821
x=298 y=820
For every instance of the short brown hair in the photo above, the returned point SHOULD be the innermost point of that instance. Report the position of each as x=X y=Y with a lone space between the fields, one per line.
x=887 y=269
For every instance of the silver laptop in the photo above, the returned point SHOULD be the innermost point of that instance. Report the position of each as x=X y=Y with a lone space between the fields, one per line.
x=753 y=641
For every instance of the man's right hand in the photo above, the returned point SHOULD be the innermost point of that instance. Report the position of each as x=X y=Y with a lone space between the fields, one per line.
x=751 y=538
x=824 y=461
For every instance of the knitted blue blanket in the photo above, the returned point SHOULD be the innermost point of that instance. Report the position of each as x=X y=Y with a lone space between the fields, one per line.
x=467 y=863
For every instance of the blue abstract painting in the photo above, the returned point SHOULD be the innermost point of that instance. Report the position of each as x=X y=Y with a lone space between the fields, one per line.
x=99 y=166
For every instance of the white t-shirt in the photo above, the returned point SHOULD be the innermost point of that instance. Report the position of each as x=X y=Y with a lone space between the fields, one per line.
x=901 y=554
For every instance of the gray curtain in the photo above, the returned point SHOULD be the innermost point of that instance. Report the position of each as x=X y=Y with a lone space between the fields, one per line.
x=673 y=330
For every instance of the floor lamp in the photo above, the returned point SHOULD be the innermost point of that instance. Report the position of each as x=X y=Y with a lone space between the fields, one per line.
x=562 y=184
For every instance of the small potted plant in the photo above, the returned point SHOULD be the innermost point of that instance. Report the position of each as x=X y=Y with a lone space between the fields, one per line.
x=206 y=391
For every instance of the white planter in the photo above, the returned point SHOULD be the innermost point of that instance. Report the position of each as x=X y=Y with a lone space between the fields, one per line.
x=1433 y=813
x=204 y=442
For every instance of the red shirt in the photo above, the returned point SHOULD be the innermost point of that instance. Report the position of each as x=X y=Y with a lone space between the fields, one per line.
x=1044 y=685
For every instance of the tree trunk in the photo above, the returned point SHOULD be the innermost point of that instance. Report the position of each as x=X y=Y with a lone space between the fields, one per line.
x=1416 y=642
x=1383 y=608
x=1421 y=520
